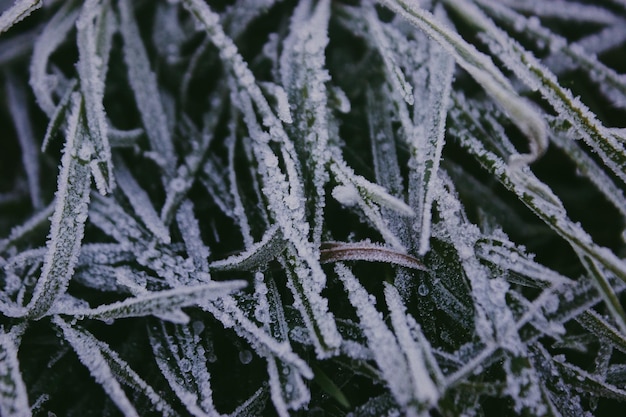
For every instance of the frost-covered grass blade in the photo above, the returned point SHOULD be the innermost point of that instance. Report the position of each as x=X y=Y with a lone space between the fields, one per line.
x=13 y=394
x=70 y=215
x=159 y=302
x=20 y=10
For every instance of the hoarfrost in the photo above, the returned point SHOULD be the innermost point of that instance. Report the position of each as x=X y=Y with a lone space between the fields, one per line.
x=160 y=302
x=107 y=368
x=91 y=71
x=387 y=352
x=55 y=32
x=20 y=10
x=13 y=394
x=140 y=201
x=470 y=311
x=68 y=220
x=30 y=154
x=180 y=356
x=144 y=85
x=425 y=391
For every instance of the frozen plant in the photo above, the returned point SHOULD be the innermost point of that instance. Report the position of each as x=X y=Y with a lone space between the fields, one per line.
x=312 y=207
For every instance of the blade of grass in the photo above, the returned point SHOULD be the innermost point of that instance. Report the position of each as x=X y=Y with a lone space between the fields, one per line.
x=20 y=10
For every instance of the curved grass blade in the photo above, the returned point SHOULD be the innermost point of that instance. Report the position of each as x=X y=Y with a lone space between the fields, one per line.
x=538 y=77
x=535 y=195
x=369 y=252
x=55 y=32
x=612 y=84
x=256 y=256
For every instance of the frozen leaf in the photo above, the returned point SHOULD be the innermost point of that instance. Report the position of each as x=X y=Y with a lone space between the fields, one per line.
x=494 y=320
x=236 y=64
x=542 y=201
x=427 y=143
x=114 y=221
x=136 y=284
x=503 y=253
x=303 y=73
x=285 y=198
x=384 y=152
x=239 y=210
x=613 y=85
x=602 y=329
x=354 y=190
x=313 y=306
x=282 y=101
x=585 y=382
